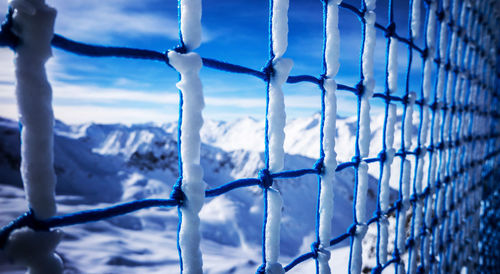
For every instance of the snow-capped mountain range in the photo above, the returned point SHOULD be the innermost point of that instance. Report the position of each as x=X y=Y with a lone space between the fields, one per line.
x=101 y=164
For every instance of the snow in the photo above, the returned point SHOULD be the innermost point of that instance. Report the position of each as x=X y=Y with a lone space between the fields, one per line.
x=191 y=23
x=34 y=97
x=393 y=65
x=35 y=249
x=277 y=115
x=327 y=196
x=332 y=47
x=408 y=120
x=193 y=186
x=369 y=81
x=279 y=30
x=276 y=118
x=34 y=25
x=384 y=184
x=415 y=18
x=272 y=234
x=143 y=164
x=370 y=4
x=368 y=53
x=361 y=217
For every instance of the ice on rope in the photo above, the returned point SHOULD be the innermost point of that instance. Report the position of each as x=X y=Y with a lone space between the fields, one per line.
x=415 y=18
x=191 y=23
x=386 y=175
x=405 y=179
x=35 y=249
x=274 y=204
x=188 y=65
x=431 y=31
x=392 y=79
x=401 y=228
x=370 y=4
x=325 y=211
x=33 y=23
x=276 y=115
x=279 y=27
x=408 y=119
x=368 y=82
x=427 y=75
x=361 y=228
x=332 y=47
x=327 y=178
x=418 y=215
x=34 y=98
x=368 y=53
x=367 y=59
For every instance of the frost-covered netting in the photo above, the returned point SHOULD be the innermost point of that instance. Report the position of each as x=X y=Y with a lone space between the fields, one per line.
x=447 y=213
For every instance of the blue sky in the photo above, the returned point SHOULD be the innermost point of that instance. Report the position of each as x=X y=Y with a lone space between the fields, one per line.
x=111 y=90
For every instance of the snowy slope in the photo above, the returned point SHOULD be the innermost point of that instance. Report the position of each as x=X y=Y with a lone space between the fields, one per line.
x=98 y=164
x=302 y=137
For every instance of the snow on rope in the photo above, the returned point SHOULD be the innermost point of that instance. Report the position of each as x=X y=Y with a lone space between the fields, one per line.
x=275 y=131
x=367 y=60
x=190 y=122
x=33 y=22
x=327 y=178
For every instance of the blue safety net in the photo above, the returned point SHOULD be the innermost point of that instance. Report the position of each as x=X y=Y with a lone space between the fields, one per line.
x=452 y=208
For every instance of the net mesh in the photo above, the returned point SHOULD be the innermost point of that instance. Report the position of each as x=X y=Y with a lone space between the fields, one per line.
x=447 y=211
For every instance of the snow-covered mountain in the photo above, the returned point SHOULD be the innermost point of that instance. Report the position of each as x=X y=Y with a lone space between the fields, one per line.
x=302 y=136
x=100 y=164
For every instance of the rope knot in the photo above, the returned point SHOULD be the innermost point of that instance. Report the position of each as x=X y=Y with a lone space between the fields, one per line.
x=396 y=255
x=266 y=180
x=377 y=269
x=391 y=30
x=356 y=160
x=418 y=152
x=402 y=153
x=319 y=165
x=361 y=88
x=425 y=53
x=440 y=15
x=181 y=48
x=410 y=242
x=319 y=252
x=177 y=193
x=315 y=249
x=382 y=156
x=34 y=223
x=261 y=269
x=352 y=229
x=268 y=70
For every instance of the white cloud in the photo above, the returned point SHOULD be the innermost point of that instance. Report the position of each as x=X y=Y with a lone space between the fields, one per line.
x=88 y=113
x=99 y=21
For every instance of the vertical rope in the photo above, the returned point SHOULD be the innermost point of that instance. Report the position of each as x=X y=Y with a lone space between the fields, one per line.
x=422 y=221
x=387 y=153
x=277 y=71
x=190 y=188
x=365 y=92
x=331 y=52
x=33 y=248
